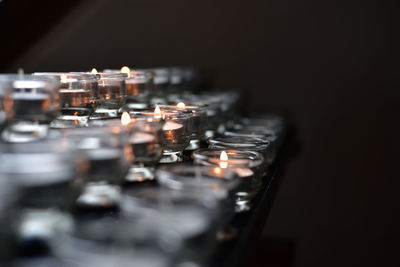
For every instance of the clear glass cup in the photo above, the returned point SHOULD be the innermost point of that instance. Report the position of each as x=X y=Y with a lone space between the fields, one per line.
x=9 y=194
x=210 y=180
x=177 y=131
x=106 y=241
x=139 y=86
x=6 y=102
x=261 y=145
x=266 y=134
x=111 y=95
x=108 y=166
x=142 y=139
x=36 y=103
x=198 y=120
x=78 y=96
x=49 y=173
x=185 y=223
x=161 y=83
x=246 y=164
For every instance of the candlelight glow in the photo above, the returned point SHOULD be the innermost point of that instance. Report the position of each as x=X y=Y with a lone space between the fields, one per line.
x=223 y=156
x=125 y=69
x=94 y=71
x=157 y=112
x=224 y=160
x=125 y=118
x=181 y=105
x=63 y=78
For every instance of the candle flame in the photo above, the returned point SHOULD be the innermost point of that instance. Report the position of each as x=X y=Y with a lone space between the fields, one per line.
x=224 y=160
x=181 y=105
x=94 y=71
x=125 y=69
x=157 y=112
x=63 y=78
x=223 y=156
x=125 y=118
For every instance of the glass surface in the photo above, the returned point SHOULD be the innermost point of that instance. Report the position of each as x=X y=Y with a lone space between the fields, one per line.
x=78 y=95
x=213 y=180
x=177 y=131
x=48 y=172
x=111 y=95
x=36 y=103
x=248 y=165
x=139 y=87
x=6 y=102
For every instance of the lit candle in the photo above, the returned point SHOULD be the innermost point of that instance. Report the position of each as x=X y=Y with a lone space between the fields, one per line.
x=236 y=164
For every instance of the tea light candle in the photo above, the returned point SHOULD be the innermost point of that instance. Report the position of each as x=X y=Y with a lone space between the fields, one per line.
x=240 y=161
x=141 y=137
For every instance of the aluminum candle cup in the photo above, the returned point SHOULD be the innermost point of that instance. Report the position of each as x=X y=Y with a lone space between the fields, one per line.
x=48 y=173
x=6 y=102
x=35 y=104
x=176 y=130
x=111 y=95
x=246 y=164
x=78 y=93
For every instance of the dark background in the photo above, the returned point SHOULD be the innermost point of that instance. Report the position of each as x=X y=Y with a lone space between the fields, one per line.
x=333 y=65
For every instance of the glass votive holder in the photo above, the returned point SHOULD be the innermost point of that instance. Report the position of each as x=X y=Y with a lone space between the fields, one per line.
x=142 y=140
x=177 y=131
x=261 y=122
x=211 y=180
x=198 y=120
x=111 y=95
x=160 y=84
x=6 y=102
x=247 y=143
x=78 y=96
x=185 y=222
x=246 y=164
x=35 y=104
x=266 y=134
x=139 y=86
x=48 y=172
x=213 y=112
x=107 y=166
x=107 y=242
x=9 y=193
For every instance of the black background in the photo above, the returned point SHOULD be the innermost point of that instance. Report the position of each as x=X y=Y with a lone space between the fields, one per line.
x=334 y=65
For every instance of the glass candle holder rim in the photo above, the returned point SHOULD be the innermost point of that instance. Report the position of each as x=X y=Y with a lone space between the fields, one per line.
x=29 y=81
x=133 y=73
x=171 y=177
x=162 y=115
x=254 y=158
x=245 y=141
x=70 y=76
x=107 y=76
x=188 y=106
x=268 y=135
